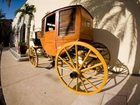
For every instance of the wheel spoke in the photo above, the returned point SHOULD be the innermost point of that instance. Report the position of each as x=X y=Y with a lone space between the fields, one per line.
x=76 y=52
x=34 y=61
x=98 y=77
x=70 y=82
x=33 y=56
x=62 y=72
x=63 y=68
x=77 y=84
x=87 y=69
x=90 y=83
x=85 y=59
x=31 y=60
x=69 y=58
x=65 y=62
x=84 y=85
x=94 y=76
x=92 y=55
x=65 y=75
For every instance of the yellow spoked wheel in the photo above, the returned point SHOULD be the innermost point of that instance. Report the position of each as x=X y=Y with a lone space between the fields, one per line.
x=33 y=57
x=81 y=68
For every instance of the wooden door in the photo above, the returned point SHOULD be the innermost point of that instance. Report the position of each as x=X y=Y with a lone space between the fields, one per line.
x=49 y=35
x=66 y=27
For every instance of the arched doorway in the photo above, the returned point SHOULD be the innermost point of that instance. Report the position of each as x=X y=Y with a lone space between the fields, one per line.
x=22 y=33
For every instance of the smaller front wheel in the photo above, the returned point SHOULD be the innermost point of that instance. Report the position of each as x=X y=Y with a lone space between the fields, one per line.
x=33 y=57
x=81 y=68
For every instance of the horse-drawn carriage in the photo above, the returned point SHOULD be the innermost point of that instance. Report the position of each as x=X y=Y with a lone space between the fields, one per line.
x=67 y=36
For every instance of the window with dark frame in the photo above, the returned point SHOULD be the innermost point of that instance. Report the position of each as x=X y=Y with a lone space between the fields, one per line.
x=67 y=22
x=50 y=23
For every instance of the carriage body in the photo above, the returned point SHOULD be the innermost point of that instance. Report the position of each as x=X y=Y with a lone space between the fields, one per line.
x=72 y=23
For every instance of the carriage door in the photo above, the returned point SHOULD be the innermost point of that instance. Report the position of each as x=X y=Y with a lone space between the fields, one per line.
x=66 y=26
x=49 y=35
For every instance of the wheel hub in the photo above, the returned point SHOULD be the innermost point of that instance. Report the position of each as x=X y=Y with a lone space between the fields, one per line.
x=74 y=75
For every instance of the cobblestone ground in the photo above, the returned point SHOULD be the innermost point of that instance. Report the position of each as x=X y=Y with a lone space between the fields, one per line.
x=2 y=102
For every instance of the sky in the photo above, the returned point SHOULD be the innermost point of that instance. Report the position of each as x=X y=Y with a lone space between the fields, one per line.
x=10 y=11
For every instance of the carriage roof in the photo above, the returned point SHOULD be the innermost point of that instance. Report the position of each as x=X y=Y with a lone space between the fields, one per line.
x=67 y=7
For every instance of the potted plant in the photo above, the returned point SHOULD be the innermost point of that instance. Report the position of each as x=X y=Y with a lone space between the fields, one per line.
x=22 y=47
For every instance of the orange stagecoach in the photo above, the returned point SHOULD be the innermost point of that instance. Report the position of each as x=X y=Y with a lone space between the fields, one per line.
x=67 y=36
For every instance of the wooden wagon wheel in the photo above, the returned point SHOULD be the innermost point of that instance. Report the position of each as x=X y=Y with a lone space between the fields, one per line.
x=81 y=68
x=33 y=57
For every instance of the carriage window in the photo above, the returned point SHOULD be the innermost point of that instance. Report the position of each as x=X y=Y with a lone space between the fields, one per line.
x=67 y=22
x=50 y=23
x=87 y=19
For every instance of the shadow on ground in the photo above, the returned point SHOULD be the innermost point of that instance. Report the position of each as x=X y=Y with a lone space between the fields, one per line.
x=131 y=89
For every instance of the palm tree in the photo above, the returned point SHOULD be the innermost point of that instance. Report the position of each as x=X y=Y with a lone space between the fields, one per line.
x=26 y=10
